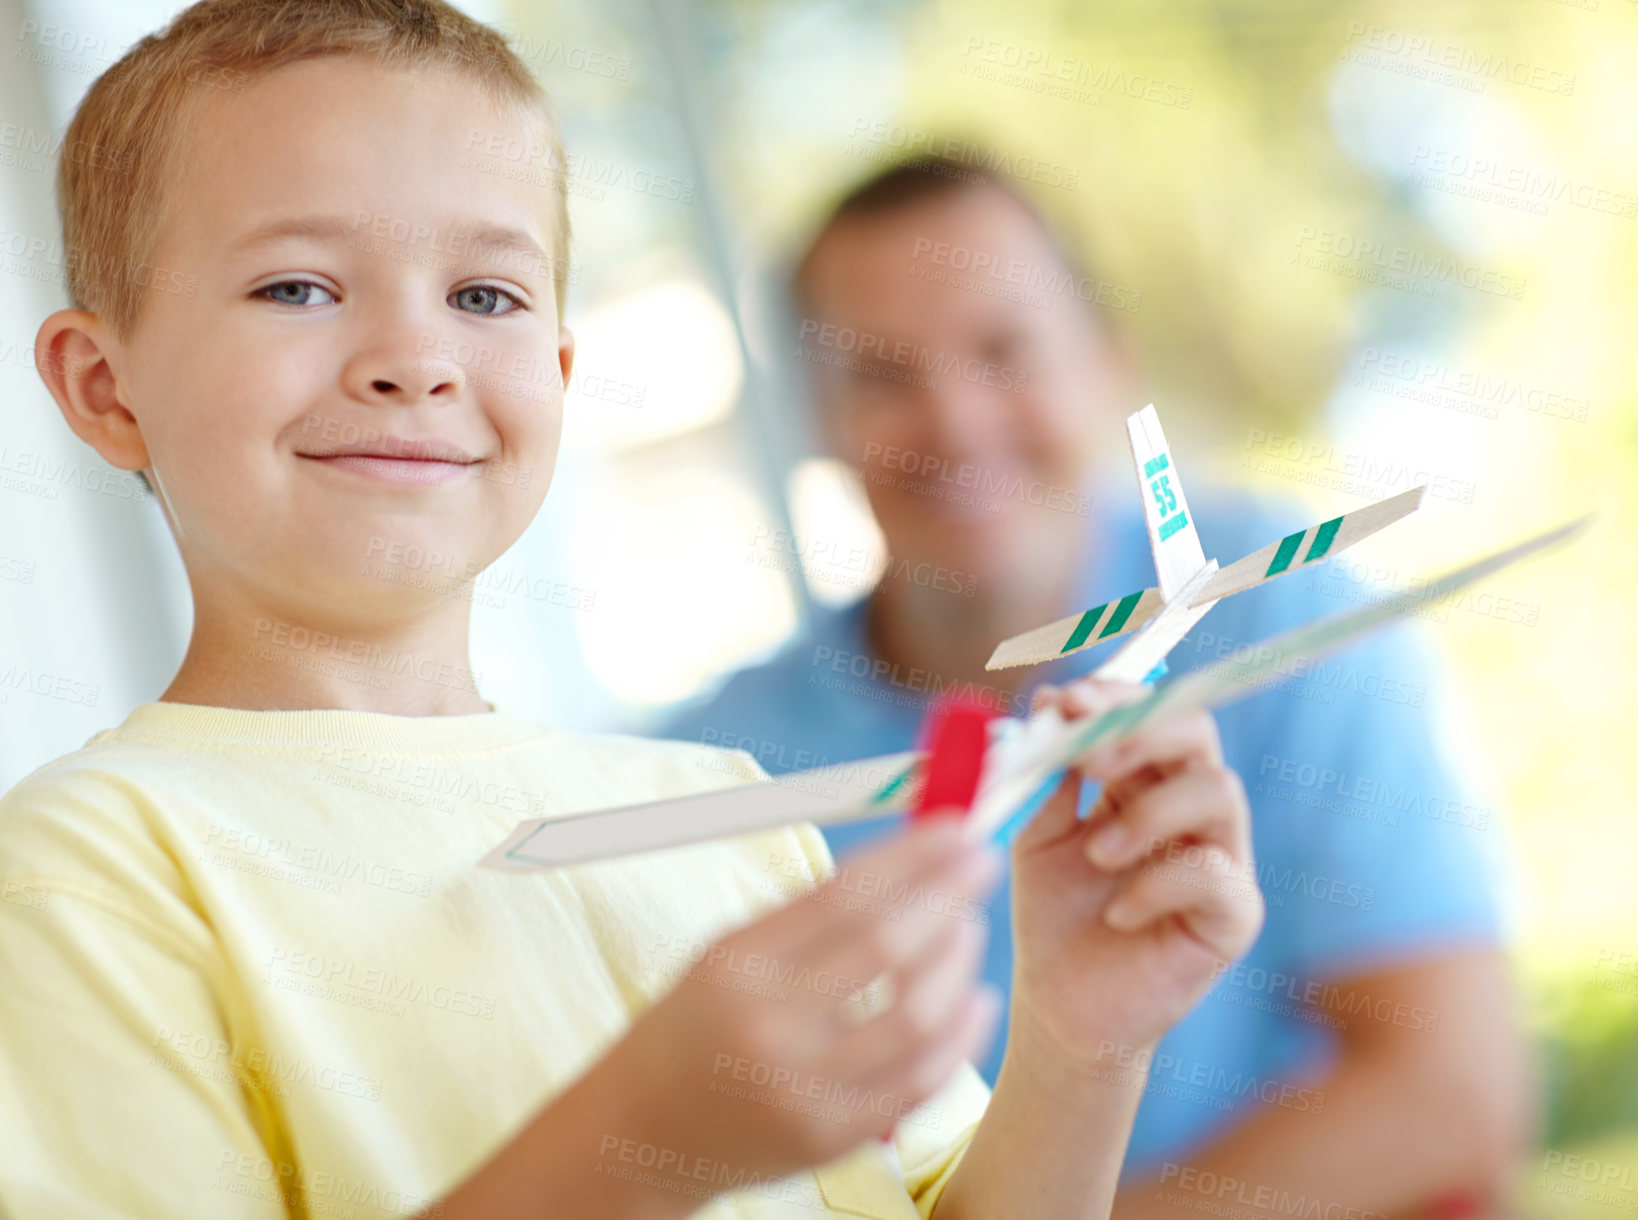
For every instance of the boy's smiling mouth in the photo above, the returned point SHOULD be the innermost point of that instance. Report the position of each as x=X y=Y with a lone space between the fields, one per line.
x=395 y=460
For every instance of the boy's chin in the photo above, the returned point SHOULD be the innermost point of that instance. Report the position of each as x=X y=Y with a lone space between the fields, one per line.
x=375 y=571
x=430 y=578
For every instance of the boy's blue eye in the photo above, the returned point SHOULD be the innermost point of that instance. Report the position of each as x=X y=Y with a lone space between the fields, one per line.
x=484 y=298
x=288 y=292
x=478 y=299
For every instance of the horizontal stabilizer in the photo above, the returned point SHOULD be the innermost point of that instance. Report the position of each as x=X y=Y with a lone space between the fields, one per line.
x=1310 y=545
x=1076 y=632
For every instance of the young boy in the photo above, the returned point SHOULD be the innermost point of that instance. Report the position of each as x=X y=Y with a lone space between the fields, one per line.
x=251 y=968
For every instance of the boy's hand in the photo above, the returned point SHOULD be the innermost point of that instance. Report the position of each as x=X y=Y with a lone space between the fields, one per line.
x=1121 y=919
x=767 y=1015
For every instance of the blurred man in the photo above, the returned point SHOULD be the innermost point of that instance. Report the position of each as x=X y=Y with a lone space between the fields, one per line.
x=1364 y=1054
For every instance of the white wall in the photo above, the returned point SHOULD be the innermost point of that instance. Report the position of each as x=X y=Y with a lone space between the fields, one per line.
x=93 y=605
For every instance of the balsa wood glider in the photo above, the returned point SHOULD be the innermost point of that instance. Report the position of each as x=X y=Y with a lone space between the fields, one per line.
x=1190 y=584
x=1024 y=760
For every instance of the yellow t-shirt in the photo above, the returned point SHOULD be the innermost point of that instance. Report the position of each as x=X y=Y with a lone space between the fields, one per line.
x=250 y=968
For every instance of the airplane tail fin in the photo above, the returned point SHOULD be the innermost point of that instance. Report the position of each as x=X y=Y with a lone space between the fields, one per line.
x=1176 y=547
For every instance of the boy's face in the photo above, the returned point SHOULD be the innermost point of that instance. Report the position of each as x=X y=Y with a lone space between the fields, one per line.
x=290 y=407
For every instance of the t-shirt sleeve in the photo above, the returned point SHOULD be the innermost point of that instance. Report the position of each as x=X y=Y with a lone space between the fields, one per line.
x=932 y=1140
x=118 y=1096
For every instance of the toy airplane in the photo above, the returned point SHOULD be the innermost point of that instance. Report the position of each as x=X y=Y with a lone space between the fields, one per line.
x=1001 y=785
x=1190 y=584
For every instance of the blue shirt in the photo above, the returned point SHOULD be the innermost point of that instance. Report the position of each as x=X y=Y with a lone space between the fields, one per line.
x=1369 y=850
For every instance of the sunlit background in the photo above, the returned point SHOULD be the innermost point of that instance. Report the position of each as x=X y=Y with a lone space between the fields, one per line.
x=1366 y=240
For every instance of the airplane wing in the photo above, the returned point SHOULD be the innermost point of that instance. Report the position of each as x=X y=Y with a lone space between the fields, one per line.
x=1032 y=753
x=1059 y=743
x=1176 y=546
x=1314 y=543
x=842 y=792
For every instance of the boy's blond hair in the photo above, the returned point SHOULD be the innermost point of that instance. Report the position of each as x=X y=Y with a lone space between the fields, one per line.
x=114 y=203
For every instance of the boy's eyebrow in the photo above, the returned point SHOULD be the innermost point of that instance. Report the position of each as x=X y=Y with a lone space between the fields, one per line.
x=479 y=237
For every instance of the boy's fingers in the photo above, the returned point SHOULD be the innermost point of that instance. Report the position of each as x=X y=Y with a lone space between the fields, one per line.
x=922 y=848
x=1086 y=696
x=925 y=991
x=1182 y=738
x=1220 y=906
x=885 y=932
x=1057 y=816
x=1093 y=696
x=1205 y=804
x=970 y=1026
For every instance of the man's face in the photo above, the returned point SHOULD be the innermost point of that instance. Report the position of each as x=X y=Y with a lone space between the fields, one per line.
x=970 y=400
x=290 y=406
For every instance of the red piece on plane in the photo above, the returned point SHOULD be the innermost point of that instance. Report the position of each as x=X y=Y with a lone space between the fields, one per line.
x=958 y=734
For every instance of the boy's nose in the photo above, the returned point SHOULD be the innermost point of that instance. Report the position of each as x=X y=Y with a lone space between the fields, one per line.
x=412 y=388
x=402 y=372
x=382 y=386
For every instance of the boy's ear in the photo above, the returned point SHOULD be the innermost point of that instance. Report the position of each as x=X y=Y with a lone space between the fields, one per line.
x=70 y=357
x=565 y=353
